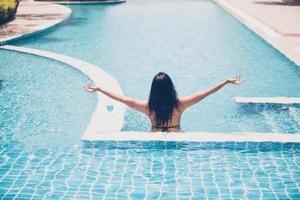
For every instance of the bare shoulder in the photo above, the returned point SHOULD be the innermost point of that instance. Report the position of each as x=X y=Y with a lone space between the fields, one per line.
x=143 y=103
x=183 y=101
x=141 y=106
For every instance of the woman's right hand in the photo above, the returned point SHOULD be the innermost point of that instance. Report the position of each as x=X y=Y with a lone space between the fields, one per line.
x=90 y=89
x=236 y=80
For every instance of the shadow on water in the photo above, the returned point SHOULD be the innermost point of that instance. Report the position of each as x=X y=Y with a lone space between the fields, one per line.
x=1 y=84
x=47 y=35
x=76 y=21
x=54 y=39
x=44 y=36
x=276 y=3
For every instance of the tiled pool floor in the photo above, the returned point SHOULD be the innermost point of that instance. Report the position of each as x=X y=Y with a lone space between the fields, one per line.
x=137 y=170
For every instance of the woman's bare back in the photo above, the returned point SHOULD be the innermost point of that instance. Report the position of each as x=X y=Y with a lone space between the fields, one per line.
x=173 y=125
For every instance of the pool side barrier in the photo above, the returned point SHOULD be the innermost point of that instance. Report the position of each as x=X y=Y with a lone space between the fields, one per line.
x=268 y=100
x=195 y=137
x=109 y=114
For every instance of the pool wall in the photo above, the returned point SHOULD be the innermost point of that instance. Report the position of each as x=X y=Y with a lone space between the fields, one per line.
x=194 y=137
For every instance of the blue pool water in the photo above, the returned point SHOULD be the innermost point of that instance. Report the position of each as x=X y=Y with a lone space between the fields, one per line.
x=44 y=110
x=196 y=42
x=157 y=170
x=41 y=100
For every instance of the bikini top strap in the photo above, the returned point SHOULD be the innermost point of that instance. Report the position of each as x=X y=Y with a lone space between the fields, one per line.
x=166 y=127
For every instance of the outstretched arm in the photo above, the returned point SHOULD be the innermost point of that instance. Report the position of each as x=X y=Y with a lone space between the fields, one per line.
x=138 y=105
x=198 y=96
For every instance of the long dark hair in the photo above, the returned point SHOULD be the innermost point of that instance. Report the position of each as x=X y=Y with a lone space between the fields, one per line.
x=162 y=99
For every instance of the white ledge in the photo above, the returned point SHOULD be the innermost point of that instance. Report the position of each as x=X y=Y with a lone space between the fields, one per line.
x=194 y=137
x=103 y=119
x=268 y=100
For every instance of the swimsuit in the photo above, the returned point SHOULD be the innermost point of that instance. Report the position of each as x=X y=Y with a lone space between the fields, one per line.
x=165 y=128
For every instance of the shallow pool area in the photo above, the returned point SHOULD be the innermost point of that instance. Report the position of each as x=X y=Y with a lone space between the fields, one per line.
x=44 y=110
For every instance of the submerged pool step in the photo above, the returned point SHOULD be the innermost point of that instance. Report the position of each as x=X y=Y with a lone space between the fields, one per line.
x=281 y=114
x=280 y=120
x=270 y=122
x=295 y=114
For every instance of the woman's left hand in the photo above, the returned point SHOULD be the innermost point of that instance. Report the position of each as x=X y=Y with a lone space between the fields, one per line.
x=237 y=80
x=90 y=89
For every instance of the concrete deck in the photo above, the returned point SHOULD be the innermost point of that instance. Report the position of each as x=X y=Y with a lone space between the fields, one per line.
x=275 y=22
x=31 y=18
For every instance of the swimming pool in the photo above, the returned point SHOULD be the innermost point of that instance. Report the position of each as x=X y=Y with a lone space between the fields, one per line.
x=44 y=110
x=134 y=41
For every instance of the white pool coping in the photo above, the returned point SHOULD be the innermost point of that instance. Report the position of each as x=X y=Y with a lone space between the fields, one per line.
x=102 y=119
x=195 y=137
x=268 y=100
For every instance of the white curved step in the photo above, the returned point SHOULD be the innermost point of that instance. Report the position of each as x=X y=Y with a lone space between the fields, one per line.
x=109 y=114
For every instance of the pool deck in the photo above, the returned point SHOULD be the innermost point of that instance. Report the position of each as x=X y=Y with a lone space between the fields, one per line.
x=33 y=17
x=275 y=22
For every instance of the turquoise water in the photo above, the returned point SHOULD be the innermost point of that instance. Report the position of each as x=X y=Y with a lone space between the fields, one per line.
x=196 y=42
x=146 y=170
x=44 y=110
x=42 y=102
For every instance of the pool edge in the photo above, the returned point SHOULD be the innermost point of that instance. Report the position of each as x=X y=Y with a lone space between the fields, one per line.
x=195 y=137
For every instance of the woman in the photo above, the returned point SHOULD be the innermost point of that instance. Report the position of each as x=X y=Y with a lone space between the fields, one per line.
x=164 y=108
